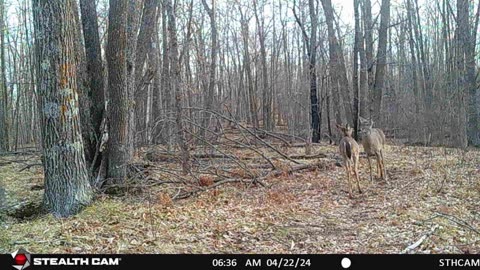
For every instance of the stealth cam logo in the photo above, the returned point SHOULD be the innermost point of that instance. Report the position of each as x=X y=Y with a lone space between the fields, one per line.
x=21 y=259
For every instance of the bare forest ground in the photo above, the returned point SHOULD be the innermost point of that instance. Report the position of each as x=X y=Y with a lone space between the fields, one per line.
x=432 y=192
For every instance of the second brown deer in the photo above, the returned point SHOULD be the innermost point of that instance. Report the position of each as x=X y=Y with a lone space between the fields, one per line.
x=373 y=141
x=350 y=152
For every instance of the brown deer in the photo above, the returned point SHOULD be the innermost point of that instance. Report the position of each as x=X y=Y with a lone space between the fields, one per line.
x=373 y=141
x=350 y=152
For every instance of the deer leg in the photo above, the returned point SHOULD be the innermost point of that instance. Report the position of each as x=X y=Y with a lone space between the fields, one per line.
x=379 y=170
x=384 y=171
x=347 y=168
x=356 y=175
x=370 y=166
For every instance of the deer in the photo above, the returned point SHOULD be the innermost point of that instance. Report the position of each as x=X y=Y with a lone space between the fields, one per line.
x=350 y=152
x=373 y=141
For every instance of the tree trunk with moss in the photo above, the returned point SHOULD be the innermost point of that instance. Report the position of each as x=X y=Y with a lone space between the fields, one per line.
x=67 y=189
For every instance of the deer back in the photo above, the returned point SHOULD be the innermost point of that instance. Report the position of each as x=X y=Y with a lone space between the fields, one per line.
x=348 y=148
x=373 y=140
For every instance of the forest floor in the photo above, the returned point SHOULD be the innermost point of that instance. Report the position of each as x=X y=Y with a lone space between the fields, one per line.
x=432 y=192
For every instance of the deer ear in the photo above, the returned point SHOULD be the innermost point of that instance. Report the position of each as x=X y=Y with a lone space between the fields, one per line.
x=371 y=123
x=338 y=126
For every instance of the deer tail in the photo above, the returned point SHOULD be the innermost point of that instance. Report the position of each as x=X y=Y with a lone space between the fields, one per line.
x=348 y=150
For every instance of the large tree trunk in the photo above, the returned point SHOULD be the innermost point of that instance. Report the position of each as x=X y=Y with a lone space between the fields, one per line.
x=118 y=154
x=95 y=72
x=468 y=36
x=459 y=123
x=381 y=60
x=338 y=72
x=175 y=83
x=144 y=45
x=133 y=24
x=67 y=187
x=83 y=89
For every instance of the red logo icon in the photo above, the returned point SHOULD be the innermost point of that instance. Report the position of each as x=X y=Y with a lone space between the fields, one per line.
x=21 y=259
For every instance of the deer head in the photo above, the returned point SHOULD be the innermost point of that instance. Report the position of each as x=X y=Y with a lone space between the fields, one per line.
x=366 y=125
x=346 y=130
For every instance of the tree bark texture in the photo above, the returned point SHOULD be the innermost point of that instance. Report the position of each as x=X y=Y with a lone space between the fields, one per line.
x=118 y=154
x=67 y=187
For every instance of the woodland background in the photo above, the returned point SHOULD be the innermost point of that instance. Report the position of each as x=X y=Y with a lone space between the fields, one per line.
x=154 y=116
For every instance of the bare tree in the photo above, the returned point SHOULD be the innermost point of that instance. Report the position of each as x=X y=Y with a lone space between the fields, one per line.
x=337 y=65
x=266 y=91
x=4 y=134
x=469 y=82
x=175 y=84
x=311 y=45
x=369 y=63
x=413 y=68
x=213 y=64
x=165 y=78
x=356 y=86
x=252 y=99
x=118 y=154
x=462 y=81
x=133 y=24
x=381 y=60
x=142 y=79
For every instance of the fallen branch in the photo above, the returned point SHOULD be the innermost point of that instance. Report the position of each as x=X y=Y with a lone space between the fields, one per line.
x=187 y=194
x=248 y=131
x=4 y=163
x=332 y=140
x=249 y=166
x=308 y=156
x=215 y=155
x=164 y=156
x=29 y=166
x=24 y=242
x=273 y=135
x=304 y=144
x=297 y=168
x=456 y=220
x=26 y=152
x=420 y=241
x=289 y=136
x=275 y=173
x=235 y=159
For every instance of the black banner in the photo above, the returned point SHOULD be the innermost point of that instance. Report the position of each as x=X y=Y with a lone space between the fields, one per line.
x=23 y=260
